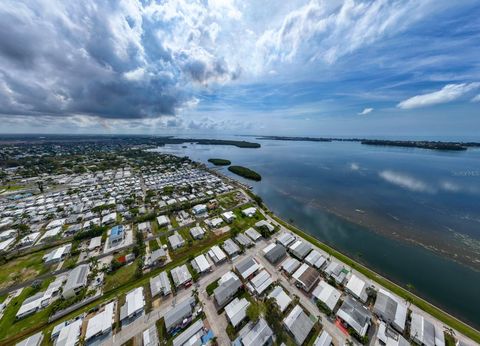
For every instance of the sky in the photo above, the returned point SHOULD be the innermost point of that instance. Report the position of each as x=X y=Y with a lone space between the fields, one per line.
x=382 y=68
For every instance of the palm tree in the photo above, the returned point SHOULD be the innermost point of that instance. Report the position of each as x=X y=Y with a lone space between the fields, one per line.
x=449 y=331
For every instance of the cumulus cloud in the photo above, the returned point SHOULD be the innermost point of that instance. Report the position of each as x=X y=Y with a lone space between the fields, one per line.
x=112 y=60
x=405 y=181
x=448 y=93
x=476 y=98
x=366 y=111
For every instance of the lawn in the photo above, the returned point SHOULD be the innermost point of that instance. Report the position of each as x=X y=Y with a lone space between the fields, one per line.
x=162 y=332
x=111 y=290
x=120 y=276
x=211 y=287
x=148 y=297
x=228 y=201
x=129 y=343
x=173 y=221
x=185 y=233
x=156 y=230
x=22 y=269
x=70 y=262
x=9 y=325
x=242 y=222
x=153 y=244
x=11 y=187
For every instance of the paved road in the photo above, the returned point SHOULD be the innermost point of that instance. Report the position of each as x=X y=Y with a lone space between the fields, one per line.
x=219 y=322
x=216 y=321
x=338 y=337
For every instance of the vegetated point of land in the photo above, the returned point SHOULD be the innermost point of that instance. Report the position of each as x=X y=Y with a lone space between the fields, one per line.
x=220 y=162
x=245 y=172
x=432 y=145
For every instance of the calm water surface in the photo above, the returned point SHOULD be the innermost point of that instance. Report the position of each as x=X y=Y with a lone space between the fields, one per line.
x=404 y=212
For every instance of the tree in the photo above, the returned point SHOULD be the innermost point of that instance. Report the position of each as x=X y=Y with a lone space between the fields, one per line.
x=274 y=319
x=253 y=311
x=139 y=269
x=22 y=228
x=37 y=284
x=40 y=185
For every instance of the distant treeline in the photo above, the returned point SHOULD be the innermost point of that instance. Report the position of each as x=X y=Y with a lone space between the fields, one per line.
x=117 y=140
x=434 y=145
x=245 y=172
x=418 y=144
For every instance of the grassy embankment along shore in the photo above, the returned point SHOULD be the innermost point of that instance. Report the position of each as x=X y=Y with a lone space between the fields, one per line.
x=439 y=314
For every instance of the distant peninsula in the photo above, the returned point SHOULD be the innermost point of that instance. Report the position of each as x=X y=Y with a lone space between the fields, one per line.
x=432 y=145
x=245 y=172
x=418 y=144
x=240 y=144
x=118 y=140
x=220 y=162
x=297 y=139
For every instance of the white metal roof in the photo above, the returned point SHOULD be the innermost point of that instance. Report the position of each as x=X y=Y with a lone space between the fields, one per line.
x=358 y=287
x=163 y=220
x=202 y=263
x=134 y=301
x=315 y=259
x=267 y=248
x=261 y=281
x=253 y=234
x=323 y=339
x=217 y=254
x=180 y=275
x=95 y=242
x=70 y=334
x=249 y=211
x=282 y=298
x=236 y=311
x=327 y=294
x=6 y=244
x=101 y=322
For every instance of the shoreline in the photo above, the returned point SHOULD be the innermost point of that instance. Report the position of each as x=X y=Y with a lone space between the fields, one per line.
x=435 y=311
x=391 y=232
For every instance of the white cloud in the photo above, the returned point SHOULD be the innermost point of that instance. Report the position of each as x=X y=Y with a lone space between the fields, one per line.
x=450 y=187
x=135 y=75
x=354 y=166
x=476 y=98
x=448 y=93
x=405 y=181
x=329 y=30
x=366 y=111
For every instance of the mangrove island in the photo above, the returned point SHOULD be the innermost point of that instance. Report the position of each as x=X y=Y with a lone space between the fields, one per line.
x=220 y=162
x=245 y=172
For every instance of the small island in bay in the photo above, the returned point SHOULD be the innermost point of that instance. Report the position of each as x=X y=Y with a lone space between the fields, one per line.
x=220 y=162
x=245 y=172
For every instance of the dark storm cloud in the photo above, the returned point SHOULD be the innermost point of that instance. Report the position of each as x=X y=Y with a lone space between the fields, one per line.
x=95 y=58
x=200 y=71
